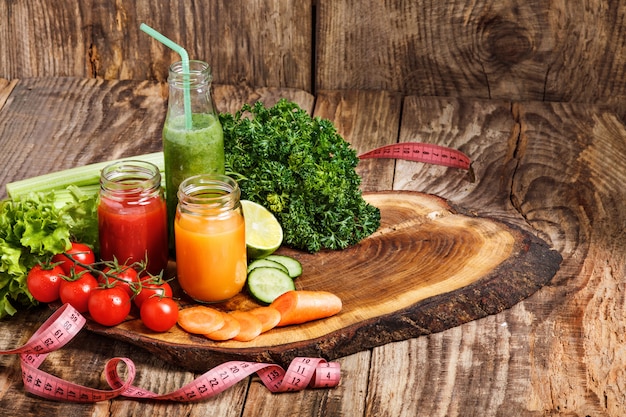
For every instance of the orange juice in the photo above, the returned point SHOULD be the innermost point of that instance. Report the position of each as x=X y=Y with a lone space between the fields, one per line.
x=210 y=256
x=209 y=233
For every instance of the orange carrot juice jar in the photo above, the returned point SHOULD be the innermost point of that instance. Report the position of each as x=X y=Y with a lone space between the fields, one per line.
x=210 y=238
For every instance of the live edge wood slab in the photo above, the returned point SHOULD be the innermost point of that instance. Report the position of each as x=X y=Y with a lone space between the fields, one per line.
x=428 y=268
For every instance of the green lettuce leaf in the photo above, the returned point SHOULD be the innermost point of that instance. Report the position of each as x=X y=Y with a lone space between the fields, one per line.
x=33 y=228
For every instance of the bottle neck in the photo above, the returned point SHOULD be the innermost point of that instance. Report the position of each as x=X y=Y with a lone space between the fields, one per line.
x=192 y=89
x=199 y=75
x=208 y=194
x=130 y=181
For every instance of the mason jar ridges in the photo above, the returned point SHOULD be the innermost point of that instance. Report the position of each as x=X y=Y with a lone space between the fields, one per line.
x=132 y=215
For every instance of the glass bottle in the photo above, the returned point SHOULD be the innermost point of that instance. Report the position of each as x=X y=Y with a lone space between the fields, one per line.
x=132 y=215
x=210 y=238
x=193 y=142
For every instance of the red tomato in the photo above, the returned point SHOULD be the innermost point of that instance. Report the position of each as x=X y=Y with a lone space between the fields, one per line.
x=152 y=289
x=123 y=276
x=44 y=281
x=77 y=292
x=109 y=306
x=80 y=253
x=159 y=314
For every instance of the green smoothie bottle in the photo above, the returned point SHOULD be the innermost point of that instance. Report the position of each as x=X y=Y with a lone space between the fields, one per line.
x=193 y=142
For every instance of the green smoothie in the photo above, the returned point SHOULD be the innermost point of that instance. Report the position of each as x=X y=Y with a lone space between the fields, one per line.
x=190 y=152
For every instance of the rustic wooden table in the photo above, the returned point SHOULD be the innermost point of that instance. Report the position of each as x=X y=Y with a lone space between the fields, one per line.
x=554 y=169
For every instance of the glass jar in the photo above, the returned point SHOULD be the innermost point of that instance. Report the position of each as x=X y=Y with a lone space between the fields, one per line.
x=193 y=142
x=209 y=231
x=132 y=215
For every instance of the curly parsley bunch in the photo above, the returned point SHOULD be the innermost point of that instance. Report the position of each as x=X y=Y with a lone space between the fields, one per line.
x=303 y=171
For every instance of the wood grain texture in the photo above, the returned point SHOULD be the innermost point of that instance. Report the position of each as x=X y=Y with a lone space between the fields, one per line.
x=43 y=40
x=511 y=50
x=259 y=43
x=486 y=130
x=584 y=219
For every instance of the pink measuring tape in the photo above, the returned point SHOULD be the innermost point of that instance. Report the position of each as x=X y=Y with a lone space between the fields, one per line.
x=423 y=152
x=66 y=322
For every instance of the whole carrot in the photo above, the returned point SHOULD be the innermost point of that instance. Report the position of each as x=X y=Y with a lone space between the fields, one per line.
x=301 y=306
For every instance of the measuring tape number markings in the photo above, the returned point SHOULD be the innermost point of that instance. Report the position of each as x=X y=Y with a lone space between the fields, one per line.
x=66 y=322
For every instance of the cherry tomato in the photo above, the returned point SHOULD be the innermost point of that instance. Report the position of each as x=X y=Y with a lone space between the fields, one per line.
x=121 y=275
x=76 y=292
x=152 y=289
x=159 y=314
x=80 y=253
x=44 y=281
x=109 y=306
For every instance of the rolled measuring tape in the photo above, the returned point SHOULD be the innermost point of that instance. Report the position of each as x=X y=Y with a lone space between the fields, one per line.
x=423 y=152
x=66 y=322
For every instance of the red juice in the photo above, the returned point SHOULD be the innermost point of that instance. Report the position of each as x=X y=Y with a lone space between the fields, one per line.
x=132 y=217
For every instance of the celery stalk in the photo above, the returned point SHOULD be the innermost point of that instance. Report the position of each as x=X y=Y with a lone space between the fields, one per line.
x=86 y=176
x=74 y=193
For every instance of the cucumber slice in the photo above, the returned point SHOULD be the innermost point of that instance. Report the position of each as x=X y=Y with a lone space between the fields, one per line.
x=294 y=267
x=267 y=262
x=266 y=283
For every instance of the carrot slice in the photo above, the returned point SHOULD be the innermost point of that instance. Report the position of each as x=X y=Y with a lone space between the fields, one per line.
x=200 y=319
x=269 y=316
x=250 y=326
x=301 y=306
x=229 y=330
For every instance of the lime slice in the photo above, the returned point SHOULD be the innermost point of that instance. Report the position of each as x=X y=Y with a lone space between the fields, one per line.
x=263 y=232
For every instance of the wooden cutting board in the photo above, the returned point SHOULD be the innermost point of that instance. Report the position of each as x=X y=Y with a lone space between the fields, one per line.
x=427 y=268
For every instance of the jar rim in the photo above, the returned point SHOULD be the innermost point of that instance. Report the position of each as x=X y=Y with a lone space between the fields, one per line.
x=130 y=176
x=209 y=191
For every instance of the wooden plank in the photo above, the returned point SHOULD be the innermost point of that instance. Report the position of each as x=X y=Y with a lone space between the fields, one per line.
x=230 y=98
x=258 y=43
x=580 y=150
x=40 y=40
x=511 y=50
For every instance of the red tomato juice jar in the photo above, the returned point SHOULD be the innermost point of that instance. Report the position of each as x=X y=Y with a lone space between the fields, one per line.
x=132 y=215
